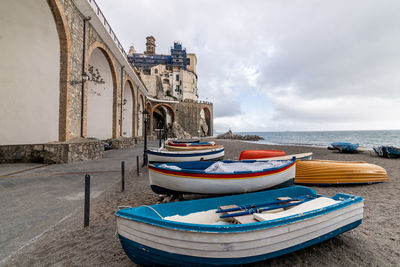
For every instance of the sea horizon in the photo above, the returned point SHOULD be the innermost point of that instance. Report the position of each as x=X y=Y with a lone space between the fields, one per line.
x=367 y=138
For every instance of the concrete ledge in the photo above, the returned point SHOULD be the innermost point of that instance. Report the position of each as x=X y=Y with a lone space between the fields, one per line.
x=63 y=152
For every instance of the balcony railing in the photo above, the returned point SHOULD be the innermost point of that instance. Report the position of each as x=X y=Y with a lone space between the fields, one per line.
x=107 y=26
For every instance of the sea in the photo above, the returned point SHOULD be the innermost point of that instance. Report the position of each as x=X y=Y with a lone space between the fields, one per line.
x=369 y=139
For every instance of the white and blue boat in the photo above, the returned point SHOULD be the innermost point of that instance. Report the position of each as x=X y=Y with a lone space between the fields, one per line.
x=221 y=177
x=164 y=155
x=193 y=233
x=344 y=147
x=387 y=151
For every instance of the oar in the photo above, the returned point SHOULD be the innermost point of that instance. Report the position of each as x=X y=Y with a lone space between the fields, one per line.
x=251 y=211
x=251 y=206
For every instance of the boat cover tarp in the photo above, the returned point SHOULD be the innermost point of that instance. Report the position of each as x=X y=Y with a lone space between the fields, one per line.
x=231 y=167
x=227 y=167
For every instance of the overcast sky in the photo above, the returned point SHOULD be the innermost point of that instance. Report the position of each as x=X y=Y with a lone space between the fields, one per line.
x=280 y=65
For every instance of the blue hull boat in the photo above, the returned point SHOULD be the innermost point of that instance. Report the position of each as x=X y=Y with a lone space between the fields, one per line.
x=387 y=151
x=234 y=230
x=344 y=147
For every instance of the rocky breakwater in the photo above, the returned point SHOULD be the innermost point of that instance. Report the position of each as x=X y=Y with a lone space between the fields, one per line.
x=248 y=137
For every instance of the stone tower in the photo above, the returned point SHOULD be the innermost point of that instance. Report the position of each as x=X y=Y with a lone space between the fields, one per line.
x=150 y=45
x=131 y=50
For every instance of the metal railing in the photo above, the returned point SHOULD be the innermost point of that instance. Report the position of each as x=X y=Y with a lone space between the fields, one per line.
x=197 y=101
x=107 y=26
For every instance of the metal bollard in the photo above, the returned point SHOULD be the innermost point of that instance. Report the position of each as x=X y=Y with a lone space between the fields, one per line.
x=87 y=201
x=122 y=176
x=137 y=163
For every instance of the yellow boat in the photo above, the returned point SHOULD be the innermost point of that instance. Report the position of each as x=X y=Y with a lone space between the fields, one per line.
x=338 y=172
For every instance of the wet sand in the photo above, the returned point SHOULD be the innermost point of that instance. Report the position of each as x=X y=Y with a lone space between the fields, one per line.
x=376 y=242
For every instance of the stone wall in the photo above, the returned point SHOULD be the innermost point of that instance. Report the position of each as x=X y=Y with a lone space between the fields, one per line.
x=123 y=142
x=188 y=116
x=52 y=152
x=75 y=23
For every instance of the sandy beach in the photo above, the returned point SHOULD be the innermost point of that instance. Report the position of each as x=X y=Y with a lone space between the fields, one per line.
x=376 y=242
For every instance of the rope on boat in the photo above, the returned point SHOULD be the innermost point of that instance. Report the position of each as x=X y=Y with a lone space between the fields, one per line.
x=153 y=210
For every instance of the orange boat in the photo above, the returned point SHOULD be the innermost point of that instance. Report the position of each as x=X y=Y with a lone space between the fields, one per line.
x=327 y=172
x=259 y=154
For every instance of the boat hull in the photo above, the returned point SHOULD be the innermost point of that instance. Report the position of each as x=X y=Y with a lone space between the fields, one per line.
x=387 y=151
x=345 y=147
x=260 y=154
x=168 y=181
x=180 y=141
x=179 y=156
x=190 y=148
x=162 y=242
x=326 y=172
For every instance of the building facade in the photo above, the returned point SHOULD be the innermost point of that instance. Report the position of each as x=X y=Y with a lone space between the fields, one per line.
x=66 y=83
x=168 y=77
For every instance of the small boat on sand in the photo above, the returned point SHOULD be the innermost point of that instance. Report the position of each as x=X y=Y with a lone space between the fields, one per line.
x=387 y=151
x=211 y=232
x=327 y=172
x=344 y=147
x=187 y=147
x=259 y=154
x=164 y=155
x=221 y=177
x=301 y=156
x=179 y=141
x=194 y=144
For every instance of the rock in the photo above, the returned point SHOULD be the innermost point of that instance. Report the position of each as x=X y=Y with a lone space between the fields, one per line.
x=178 y=131
x=203 y=127
x=230 y=135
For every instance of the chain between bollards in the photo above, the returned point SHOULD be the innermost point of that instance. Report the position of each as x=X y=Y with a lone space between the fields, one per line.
x=122 y=176
x=86 y=212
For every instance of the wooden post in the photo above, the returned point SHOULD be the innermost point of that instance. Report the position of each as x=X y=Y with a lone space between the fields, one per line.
x=87 y=201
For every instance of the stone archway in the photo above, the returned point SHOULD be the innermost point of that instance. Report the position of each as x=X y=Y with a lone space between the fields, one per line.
x=128 y=110
x=205 y=122
x=163 y=114
x=30 y=102
x=64 y=36
x=101 y=92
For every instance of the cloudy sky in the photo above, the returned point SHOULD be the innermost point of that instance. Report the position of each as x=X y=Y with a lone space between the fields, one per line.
x=274 y=65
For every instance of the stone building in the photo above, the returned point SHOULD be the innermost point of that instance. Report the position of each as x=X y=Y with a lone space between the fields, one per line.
x=66 y=84
x=169 y=77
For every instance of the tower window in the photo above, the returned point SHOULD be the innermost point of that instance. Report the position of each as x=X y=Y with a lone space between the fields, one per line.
x=156 y=71
x=188 y=61
x=177 y=77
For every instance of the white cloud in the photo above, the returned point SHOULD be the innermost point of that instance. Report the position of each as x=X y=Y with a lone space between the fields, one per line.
x=323 y=65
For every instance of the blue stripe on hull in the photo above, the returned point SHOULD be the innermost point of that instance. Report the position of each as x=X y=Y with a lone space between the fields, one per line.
x=144 y=255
